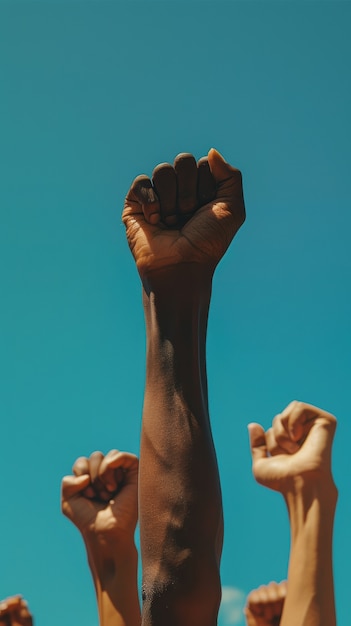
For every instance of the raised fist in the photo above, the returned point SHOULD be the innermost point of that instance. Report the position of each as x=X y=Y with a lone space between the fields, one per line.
x=298 y=444
x=102 y=496
x=14 y=612
x=187 y=213
x=264 y=606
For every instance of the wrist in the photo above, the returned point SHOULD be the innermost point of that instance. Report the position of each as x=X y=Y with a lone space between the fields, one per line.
x=114 y=569
x=178 y=280
x=107 y=555
x=176 y=301
x=311 y=502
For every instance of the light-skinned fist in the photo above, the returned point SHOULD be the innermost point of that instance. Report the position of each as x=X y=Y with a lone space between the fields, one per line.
x=101 y=498
x=298 y=445
x=264 y=606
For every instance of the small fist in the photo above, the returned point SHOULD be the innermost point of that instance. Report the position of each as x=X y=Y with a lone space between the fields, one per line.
x=298 y=444
x=264 y=606
x=14 y=612
x=102 y=495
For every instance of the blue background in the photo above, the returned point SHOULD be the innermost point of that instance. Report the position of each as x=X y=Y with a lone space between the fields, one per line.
x=92 y=94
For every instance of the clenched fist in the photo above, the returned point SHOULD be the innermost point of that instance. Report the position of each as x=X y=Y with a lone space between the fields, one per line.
x=102 y=496
x=264 y=606
x=298 y=445
x=14 y=612
x=186 y=213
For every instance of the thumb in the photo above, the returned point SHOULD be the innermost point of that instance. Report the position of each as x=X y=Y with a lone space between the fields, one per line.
x=71 y=485
x=220 y=169
x=258 y=444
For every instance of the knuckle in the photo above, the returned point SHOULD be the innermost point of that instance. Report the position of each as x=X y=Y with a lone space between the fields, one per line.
x=333 y=422
x=296 y=405
x=238 y=175
x=96 y=455
x=276 y=422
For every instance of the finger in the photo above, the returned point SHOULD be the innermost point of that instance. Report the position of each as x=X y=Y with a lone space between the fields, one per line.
x=164 y=181
x=258 y=444
x=81 y=466
x=22 y=616
x=263 y=606
x=283 y=589
x=186 y=170
x=95 y=460
x=111 y=479
x=72 y=485
x=229 y=185
x=271 y=595
x=116 y=458
x=206 y=184
x=253 y=599
x=220 y=169
x=272 y=445
x=282 y=436
x=119 y=469
x=3 y=607
x=143 y=193
x=11 y=603
x=108 y=475
x=96 y=489
x=272 y=591
x=300 y=417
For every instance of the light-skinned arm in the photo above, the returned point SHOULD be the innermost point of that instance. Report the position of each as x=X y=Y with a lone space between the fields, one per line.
x=179 y=225
x=101 y=499
x=294 y=457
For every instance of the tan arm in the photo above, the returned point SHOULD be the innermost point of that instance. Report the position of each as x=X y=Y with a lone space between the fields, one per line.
x=294 y=457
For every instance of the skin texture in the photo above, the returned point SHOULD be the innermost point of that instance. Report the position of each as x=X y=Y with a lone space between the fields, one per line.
x=179 y=225
x=264 y=606
x=294 y=457
x=101 y=500
x=14 y=612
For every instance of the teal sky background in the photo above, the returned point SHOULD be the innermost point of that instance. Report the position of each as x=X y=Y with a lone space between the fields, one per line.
x=92 y=94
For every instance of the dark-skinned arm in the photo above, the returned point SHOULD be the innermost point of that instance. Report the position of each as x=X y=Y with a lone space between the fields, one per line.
x=179 y=225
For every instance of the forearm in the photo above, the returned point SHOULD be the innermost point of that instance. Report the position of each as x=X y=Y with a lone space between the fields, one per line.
x=180 y=497
x=310 y=598
x=114 y=570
